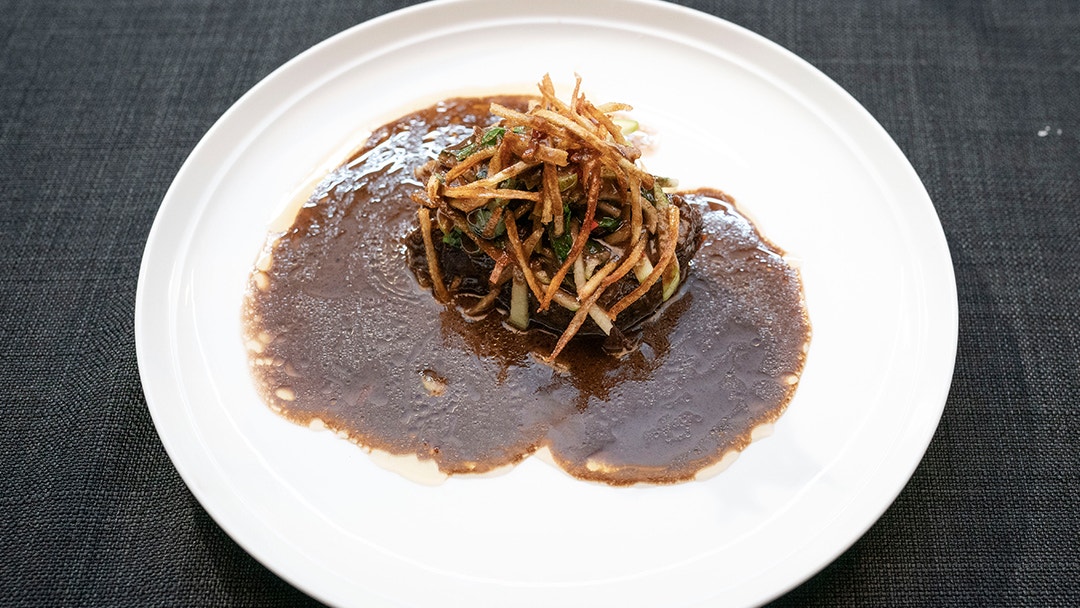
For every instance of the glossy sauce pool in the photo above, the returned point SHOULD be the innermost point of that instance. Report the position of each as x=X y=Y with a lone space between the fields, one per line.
x=340 y=334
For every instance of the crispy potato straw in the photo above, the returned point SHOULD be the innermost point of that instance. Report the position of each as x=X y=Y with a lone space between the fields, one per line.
x=540 y=172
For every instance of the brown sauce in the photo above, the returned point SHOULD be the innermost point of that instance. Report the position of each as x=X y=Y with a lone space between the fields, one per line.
x=340 y=331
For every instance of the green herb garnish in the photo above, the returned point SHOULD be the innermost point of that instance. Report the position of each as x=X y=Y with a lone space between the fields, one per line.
x=491 y=136
x=452 y=238
x=562 y=245
x=609 y=224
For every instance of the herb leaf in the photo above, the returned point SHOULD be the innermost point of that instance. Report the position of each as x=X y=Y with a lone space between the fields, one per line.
x=452 y=238
x=609 y=224
x=562 y=245
x=465 y=152
x=491 y=136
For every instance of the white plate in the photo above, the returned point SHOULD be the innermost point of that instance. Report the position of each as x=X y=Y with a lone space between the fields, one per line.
x=731 y=110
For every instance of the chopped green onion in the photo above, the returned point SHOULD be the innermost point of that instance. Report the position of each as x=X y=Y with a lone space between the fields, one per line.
x=609 y=224
x=566 y=301
x=671 y=282
x=626 y=125
x=643 y=269
x=603 y=321
x=452 y=238
x=478 y=220
x=512 y=183
x=567 y=181
x=661 y=198
x=465 y=152
x=491 y=136
x=519 y=302
x=562 y=245
x=579 y=273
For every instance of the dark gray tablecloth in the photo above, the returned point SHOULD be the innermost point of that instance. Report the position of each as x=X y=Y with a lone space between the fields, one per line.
x=100 y=102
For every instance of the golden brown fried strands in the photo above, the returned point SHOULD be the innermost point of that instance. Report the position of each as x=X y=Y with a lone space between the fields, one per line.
x=515 y=172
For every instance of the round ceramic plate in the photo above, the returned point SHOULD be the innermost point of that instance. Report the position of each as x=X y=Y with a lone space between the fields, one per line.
x=727 y=109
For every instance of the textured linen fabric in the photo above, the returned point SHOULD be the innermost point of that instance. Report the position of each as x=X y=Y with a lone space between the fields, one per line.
x=100 y=103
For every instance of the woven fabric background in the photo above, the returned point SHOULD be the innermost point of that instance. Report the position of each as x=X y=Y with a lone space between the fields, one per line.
x=100 y=103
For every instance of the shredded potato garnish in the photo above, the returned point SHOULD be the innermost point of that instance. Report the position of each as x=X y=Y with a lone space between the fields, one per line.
x=564 y=174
